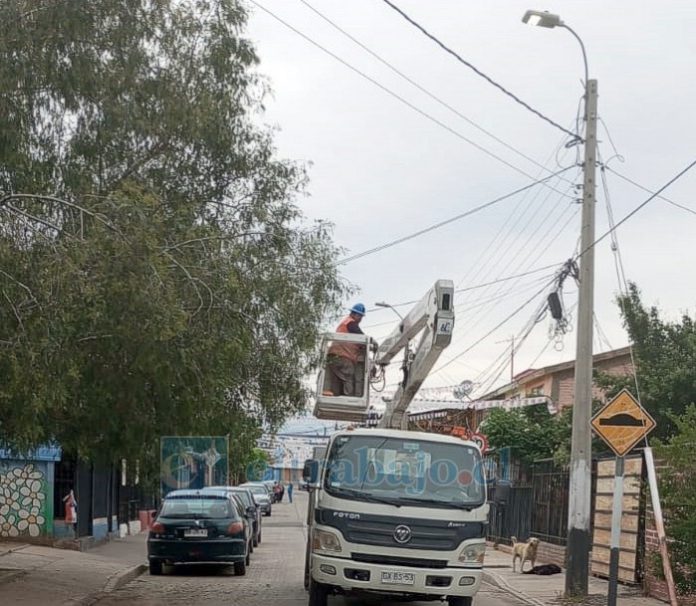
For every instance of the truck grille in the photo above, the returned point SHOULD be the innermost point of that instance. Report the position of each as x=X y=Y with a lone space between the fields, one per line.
x=382 y=534
x=370 y=558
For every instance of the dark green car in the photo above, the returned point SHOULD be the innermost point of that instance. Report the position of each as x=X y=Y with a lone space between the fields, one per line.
x=200 y=526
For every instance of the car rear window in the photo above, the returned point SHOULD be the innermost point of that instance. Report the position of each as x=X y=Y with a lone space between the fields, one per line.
x=243 y=497
x=198 y=508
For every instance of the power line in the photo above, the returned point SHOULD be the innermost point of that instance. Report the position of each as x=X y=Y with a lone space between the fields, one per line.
x=472 y=211
x=490 y=80
x=391 y=93
x=475 y=287
x=498 y=326
x=645 y=189
x=420 y=87
x=611 y=230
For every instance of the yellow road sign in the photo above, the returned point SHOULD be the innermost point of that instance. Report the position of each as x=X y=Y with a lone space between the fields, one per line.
x=622 y=423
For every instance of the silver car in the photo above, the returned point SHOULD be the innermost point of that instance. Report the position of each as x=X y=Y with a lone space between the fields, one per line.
x=261 y=496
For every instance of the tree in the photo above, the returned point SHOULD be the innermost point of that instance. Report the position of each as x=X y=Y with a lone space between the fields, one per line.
x=530 y=433
x=678 y=494
x=156 y=274
x=665 y=358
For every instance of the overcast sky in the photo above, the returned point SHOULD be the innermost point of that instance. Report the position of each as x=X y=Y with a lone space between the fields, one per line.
x=381 y=170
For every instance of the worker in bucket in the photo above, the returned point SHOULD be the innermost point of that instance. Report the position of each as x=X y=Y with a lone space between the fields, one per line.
x=345 y=358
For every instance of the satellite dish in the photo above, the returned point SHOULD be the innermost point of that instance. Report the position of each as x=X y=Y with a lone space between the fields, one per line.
x=463 y=390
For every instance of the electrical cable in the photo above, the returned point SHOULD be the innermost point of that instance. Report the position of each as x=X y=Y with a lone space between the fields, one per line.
x=475 y=287
x=391 y=93
x=484 y=259
x=645 y=189
x=498 y=326
x=420 y=232
x=421 y=88
x=490 y=80
x=477 y=318
x=611 y=230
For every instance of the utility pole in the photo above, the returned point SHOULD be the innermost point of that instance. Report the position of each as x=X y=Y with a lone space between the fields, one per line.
x=579 y=507
x=511 y=340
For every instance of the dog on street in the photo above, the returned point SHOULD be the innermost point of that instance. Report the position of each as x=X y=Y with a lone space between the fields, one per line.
x=526 y=552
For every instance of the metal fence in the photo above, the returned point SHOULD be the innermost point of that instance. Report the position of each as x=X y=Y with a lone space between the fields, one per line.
x=550 y=502
x=510 y=513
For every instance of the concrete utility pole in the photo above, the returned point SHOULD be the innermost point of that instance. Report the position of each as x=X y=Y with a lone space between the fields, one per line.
x=579 y=506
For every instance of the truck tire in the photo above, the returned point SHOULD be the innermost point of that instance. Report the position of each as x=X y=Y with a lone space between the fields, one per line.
x=240 y=568
x=460 y=601
x=318 y=593
x=155 y=567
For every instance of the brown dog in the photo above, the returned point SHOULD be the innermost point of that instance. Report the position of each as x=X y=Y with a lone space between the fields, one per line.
x=526 y=552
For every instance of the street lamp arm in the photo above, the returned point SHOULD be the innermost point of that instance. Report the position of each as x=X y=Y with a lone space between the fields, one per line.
x=582 y=47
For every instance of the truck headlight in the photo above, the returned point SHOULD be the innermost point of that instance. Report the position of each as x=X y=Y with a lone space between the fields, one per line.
x=473 y=554
x=325 y=541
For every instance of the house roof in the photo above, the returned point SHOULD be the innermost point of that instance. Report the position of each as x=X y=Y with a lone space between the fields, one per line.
x=537 y=373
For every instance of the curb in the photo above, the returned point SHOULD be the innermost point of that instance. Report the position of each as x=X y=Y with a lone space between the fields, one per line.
x=495 y=579
x=123 y=577
x=113 y=583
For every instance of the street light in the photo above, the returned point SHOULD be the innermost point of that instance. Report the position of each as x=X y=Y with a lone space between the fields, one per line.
x=579 y=506
x=386 y=305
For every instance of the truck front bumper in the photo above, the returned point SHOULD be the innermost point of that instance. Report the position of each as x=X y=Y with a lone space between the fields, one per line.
x=352 y=576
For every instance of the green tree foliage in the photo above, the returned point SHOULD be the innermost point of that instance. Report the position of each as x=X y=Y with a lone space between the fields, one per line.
x=530 y=433
x=156 y=274
x=678 y=494
x=665 y=356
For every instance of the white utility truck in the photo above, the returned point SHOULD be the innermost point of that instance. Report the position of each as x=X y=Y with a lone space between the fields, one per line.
x=395 y=512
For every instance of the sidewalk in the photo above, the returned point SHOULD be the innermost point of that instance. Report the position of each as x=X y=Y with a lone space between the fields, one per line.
x=32 y=575
x=543 y=590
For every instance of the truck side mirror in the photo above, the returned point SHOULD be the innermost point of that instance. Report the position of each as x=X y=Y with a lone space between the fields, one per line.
x=310 y=472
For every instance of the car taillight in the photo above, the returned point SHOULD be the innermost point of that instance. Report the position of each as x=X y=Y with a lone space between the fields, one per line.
x=157 y=528
x=235 y=528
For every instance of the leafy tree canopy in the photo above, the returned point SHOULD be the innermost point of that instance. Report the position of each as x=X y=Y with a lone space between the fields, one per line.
x=665 y=357
x=157 y=276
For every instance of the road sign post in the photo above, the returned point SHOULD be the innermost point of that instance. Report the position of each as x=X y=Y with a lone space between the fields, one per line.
x=622 y=424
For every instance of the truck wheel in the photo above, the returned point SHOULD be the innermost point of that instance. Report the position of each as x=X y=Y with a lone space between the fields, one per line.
x=460 y=601
x=155 y=567
x=318 y=593
x=240 y=569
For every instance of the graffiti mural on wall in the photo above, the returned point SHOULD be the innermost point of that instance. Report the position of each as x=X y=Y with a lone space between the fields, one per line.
x=22 y=501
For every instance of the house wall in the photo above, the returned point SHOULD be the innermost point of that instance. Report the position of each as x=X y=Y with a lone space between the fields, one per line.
x=26 y=498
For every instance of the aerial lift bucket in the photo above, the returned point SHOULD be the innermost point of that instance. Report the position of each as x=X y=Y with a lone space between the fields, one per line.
x=343 y=384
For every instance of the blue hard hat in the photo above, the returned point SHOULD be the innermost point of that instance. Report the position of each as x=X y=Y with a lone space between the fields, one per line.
x=358 y=308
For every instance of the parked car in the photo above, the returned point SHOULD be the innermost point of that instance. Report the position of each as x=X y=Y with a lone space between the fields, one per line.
x=261 y=496
x=270 y=486
x=200 y=526
x=252 y=510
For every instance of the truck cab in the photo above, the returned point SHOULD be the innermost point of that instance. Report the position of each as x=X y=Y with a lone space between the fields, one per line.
x=397 y=513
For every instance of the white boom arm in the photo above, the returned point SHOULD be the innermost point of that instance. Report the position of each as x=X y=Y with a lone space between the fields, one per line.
x=433 y=315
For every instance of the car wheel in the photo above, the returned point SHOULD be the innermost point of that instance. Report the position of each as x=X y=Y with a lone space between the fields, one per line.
x=256 y=541
x=247 y=561
x=318 y=593
x=460 y=601
x=259 y=537
x=155 y=567
x=240 y=568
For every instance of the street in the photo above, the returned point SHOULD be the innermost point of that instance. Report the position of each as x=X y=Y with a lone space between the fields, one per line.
x=275 y=574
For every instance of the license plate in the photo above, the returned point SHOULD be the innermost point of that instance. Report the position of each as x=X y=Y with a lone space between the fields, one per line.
x=393 y=577
x=196 y=532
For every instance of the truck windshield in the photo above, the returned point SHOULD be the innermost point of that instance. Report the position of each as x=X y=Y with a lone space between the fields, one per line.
x=405 y=472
